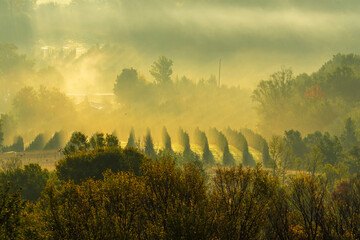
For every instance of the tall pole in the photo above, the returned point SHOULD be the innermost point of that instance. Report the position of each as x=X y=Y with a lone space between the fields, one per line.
x=219 y=71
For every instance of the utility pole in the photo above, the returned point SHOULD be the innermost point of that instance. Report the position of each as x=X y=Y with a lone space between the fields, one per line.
x=219 y=71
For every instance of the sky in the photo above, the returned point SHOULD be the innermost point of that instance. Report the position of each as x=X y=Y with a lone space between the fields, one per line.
x=252 y=38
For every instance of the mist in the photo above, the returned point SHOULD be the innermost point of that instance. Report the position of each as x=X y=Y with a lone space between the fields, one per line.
x=81 y=48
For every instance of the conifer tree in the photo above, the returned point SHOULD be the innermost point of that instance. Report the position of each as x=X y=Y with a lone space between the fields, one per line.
x=149 y=145
x=131 y=139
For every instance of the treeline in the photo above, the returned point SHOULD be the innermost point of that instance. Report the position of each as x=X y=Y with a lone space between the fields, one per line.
x=79 y=142
x=161 y=201
x=56 y=142
x=310 y=102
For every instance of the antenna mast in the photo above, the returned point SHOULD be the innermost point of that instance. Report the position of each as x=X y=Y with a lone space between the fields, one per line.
x=219 y=71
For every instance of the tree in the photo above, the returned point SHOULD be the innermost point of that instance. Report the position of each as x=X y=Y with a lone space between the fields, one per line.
x=352 y=159
x=276 y=149
x=1 y=135
x=125 y=83
x=161 y=70
x=201 y=139
x=11 y=207
x=314 y=160
x=274 y=91
x=239 y=197
x=294 y=141
x=238 y=140
x=221 y=141
x=97 y=140
x=149 y=145
x=38 y=143
x=266 y=159
x=17 y=146
x=56 y=142
x=31 y=180
x=111 y=140
x=227 y=159
x=92 y=164
x=331 y=148
x=187 y=154
x=131 y=139
x=348 y=137
x=78 y=143
x=308 y=197
x=166 y=140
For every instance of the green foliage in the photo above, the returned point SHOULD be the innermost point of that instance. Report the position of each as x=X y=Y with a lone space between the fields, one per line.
x=131 y=139
x=201 y=139
x=11 y=207
x=56 y=142
x=165 y=203
x=31 y=180
x=240 y=197
x=17 y=146
x=266 y=159
x=259 y=143
x=308 y=197
x=188 y=155
x=321 y=99
x=166 y=140
x=97 y=140
x=352 y=159
x=238 y=140
x=294 y=141
x=126 y=84
x=314 y=160
x=161 y=70
x=331 y=148
x=1 y=134
x=149 y=145
x=111 y=140
x=78 y=143
x=220 y=140
x=92 y=164
x=346 y=204
x=37 y=144
x=348 y=137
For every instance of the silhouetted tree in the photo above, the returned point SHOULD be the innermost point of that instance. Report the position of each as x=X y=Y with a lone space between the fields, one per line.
x=161 y=70
x=111 y=140
x=220 y=140
x=131 y=139
x=238 y=140
x=17 y=146
x=97 y=140
x=166 y=140
x=348 y=137
x=266 y=159
x=56 y=142
x=149 y=145
x=78 y=143
x=37 y=144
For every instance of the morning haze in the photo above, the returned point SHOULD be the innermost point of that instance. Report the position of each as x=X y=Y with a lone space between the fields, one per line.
x=179 y=119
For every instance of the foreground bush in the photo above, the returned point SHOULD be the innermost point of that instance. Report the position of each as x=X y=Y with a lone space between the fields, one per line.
x=92 y=164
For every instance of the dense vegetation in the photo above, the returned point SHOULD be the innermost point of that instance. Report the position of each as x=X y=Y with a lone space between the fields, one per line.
x=207 y=157
x=167 y=202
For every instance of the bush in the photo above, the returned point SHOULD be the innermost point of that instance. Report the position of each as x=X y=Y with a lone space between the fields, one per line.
x=83 y=165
